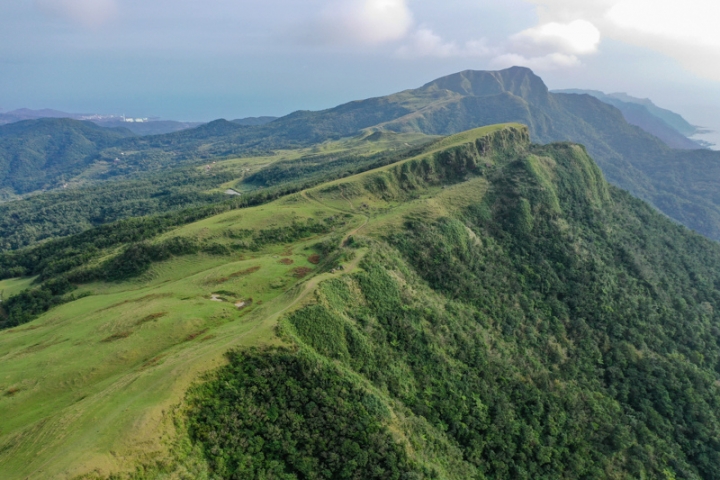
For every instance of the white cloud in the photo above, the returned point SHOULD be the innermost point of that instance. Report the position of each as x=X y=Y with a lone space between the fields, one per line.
x=90 y=13
x=690 y=21
x=426 y=43
x=551 y=45
x=578 y=37
x=551 y=61
x=366 y=22
x=685 y=30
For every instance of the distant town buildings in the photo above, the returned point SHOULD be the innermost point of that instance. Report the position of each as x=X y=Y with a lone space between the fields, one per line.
x=133 y=120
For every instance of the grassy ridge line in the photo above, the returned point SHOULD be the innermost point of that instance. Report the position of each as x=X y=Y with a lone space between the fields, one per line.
x=550 y=327
x=60 y=268
x=79 y=249
x=120 y=406
x=52 y=260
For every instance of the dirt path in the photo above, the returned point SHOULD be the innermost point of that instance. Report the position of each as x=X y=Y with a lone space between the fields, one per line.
x=314 y=281
x=353 y=232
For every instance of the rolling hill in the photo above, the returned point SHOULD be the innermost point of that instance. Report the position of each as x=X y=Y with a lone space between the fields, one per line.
x=679 y=183
x=482 y=308
x=41 y=154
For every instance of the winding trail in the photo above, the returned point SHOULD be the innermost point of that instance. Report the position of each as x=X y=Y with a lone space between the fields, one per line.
x=314 y=281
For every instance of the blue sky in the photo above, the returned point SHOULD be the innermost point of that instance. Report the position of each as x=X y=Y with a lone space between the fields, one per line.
x=200 y=60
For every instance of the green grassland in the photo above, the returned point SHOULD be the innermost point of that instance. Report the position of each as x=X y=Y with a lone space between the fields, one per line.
x=485 y=308
x=103 y=194
x=89 y=386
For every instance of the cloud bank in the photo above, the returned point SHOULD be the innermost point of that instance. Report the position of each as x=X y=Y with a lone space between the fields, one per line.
x=684 y=30
x=371 y=23
x=569 y=30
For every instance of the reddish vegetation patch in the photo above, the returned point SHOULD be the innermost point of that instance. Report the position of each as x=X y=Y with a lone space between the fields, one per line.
x=193 y=336
x=11 y=391
x=300 y=272
x=153 y=361
x=117 y=336
x=207 y=337
x=286 y=253
x=245 y=272
x=151 y=317
x=152 y=296
x=286 y=261
x=235 y=275
x=314 y=259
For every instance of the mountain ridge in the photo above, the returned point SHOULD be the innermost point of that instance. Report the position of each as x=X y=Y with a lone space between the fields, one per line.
x=630 y=157
x=484 y=308
x=669 y=126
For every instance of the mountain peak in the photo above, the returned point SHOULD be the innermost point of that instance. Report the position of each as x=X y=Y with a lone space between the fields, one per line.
x=520 y=81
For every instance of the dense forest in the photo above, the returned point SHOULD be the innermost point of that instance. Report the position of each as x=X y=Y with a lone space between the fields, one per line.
x=559 y=329
x=67 y=212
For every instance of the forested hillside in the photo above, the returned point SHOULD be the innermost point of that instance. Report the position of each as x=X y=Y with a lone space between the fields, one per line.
x=481 y=308
x=557 y=328
x=41 y=154
x=677 y=182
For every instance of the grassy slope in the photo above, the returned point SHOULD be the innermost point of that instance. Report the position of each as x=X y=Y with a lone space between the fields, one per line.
x=127 y=408
x=89 y=385
x=86 y=203
x=558 y=328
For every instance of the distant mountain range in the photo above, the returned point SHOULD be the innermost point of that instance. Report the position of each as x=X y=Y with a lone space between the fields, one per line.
x=150 y=126
x=253 y=121
x=667 y=125
x=679 y=182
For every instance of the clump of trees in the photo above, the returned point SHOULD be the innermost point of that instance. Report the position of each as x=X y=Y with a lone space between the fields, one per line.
x=279 y=414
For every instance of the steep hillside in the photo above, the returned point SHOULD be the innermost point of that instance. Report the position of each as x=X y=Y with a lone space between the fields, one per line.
x=629 y=157
x=673 y=119
x=486 y=308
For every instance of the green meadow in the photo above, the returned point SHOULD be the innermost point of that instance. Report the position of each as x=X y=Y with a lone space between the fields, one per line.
x=91 y=385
